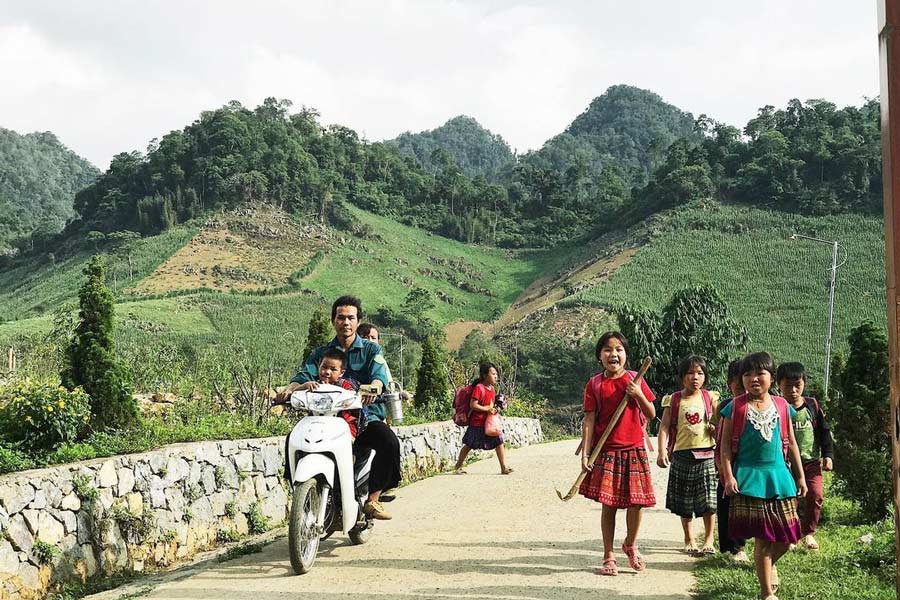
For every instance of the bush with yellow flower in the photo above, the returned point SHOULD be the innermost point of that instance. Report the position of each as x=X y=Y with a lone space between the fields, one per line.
x=38 y=416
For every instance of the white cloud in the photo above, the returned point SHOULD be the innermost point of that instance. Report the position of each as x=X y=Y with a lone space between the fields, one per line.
x=109 y=75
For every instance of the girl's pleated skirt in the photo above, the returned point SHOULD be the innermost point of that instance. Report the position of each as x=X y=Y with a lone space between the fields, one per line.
x=620 y=479
x=774 y=520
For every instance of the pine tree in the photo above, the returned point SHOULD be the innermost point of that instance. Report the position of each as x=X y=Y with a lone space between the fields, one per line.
x=91 y=360
x=319 y=331
x=861 y=413
x=432 y=382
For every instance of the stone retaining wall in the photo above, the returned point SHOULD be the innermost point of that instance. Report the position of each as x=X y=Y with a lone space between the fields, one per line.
x=146 y=511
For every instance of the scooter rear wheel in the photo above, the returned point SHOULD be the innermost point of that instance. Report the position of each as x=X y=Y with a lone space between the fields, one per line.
x=303 y=539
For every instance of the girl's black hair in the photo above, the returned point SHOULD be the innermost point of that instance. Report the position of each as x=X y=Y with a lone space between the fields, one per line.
x=365 y=329
x=608 y=336
x=734 y=369
x=685 y=365
x=758 y=361
x=483 y=369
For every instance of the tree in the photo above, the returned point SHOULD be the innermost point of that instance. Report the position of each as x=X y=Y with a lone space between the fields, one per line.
x=319 y=332
x=91 y=360
x=432 y=381
x=861 y=414
x=695 y=321
x=418 y=301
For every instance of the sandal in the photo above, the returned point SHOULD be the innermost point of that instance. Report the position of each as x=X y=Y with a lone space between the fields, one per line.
x=459 y=471
x=690 y=549
x=506 y=471
x=635 y=559
x=811 y=544
x=776 y=580
x=609 y=568
x=706 y=551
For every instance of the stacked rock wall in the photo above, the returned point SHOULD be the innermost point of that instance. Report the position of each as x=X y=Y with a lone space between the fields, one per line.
x=146 y=511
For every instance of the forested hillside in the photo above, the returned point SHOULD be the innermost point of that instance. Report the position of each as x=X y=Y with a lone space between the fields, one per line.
x=809 y=158
x=463 y=141
x=38 y=180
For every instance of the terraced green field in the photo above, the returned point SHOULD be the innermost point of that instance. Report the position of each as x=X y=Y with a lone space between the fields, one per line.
x=775 y=286
x=188 y=340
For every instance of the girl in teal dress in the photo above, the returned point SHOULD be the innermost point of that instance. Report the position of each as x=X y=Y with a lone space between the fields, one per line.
x=755 y=471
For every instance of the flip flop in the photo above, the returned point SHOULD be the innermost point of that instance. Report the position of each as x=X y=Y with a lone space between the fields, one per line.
x=706 y=551
x=635 y=559
x=609 y=568
x=506 y=471
x=690 y=549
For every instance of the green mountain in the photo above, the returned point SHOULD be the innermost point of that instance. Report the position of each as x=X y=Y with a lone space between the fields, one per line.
x=39 y=177
x=628 y=127
x=474 y=149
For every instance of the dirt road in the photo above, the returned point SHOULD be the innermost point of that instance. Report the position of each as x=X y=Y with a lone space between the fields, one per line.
x=476 y=536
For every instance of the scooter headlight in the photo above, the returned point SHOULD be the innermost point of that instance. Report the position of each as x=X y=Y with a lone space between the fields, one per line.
x=344 y=403
x=321 y=403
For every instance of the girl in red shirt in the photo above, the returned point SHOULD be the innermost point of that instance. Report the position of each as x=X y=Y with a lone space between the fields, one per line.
x=620 y=477
x=482 y=404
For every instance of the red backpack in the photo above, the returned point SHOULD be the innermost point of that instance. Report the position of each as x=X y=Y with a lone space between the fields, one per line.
x=673 y=408
x=462 y=405
x=739 y=421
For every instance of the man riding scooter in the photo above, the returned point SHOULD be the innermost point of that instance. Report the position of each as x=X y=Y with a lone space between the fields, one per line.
x=366 y=365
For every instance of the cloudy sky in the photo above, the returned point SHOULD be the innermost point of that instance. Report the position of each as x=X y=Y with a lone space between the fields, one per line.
x=108 y=76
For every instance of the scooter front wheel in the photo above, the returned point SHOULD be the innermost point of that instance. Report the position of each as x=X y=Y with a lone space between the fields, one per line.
x=303 y=535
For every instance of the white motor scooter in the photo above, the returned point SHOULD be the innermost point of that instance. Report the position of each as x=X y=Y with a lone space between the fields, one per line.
x=329 y=489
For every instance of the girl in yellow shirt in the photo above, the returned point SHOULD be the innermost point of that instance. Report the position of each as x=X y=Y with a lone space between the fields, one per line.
x=686 y=442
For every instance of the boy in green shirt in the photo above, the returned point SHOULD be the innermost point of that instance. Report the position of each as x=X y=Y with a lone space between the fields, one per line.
x=813 y=436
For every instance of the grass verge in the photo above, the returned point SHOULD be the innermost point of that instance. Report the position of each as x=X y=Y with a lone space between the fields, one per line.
x=855 y=561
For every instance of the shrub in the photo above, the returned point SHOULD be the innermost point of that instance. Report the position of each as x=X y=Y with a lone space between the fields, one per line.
x=432 y=381
x=861 y=412
x=44 y=552
x=258 y=523
x=39 y=417
x=91 y=360
x=319 y=332
x=84 y=488
x=12 y=460
x=227 y=536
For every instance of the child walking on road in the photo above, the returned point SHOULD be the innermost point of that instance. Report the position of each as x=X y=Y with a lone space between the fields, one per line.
x=757 y=438
x=482 y=405
x=686 y=441
x=620 y=477
x=728 y=543
x=816 y=445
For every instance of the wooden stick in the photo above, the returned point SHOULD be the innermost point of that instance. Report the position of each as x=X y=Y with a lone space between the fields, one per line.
x=614 y=420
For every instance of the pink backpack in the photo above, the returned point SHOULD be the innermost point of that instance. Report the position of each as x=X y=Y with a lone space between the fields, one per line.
x=739 y=421
x=462 y=405
x=673 y=408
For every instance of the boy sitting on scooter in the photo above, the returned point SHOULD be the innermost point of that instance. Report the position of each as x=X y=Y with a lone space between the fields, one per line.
x=331 y=371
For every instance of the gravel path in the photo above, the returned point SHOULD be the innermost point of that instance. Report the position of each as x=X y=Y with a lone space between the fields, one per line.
x=475 y=536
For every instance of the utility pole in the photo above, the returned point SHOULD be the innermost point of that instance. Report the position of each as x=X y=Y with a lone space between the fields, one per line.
x=889 y=51
x=831 y=287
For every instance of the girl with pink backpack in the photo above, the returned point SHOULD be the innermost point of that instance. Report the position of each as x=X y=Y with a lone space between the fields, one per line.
x=757 y=443
x=482 y=407
x=686 y=442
